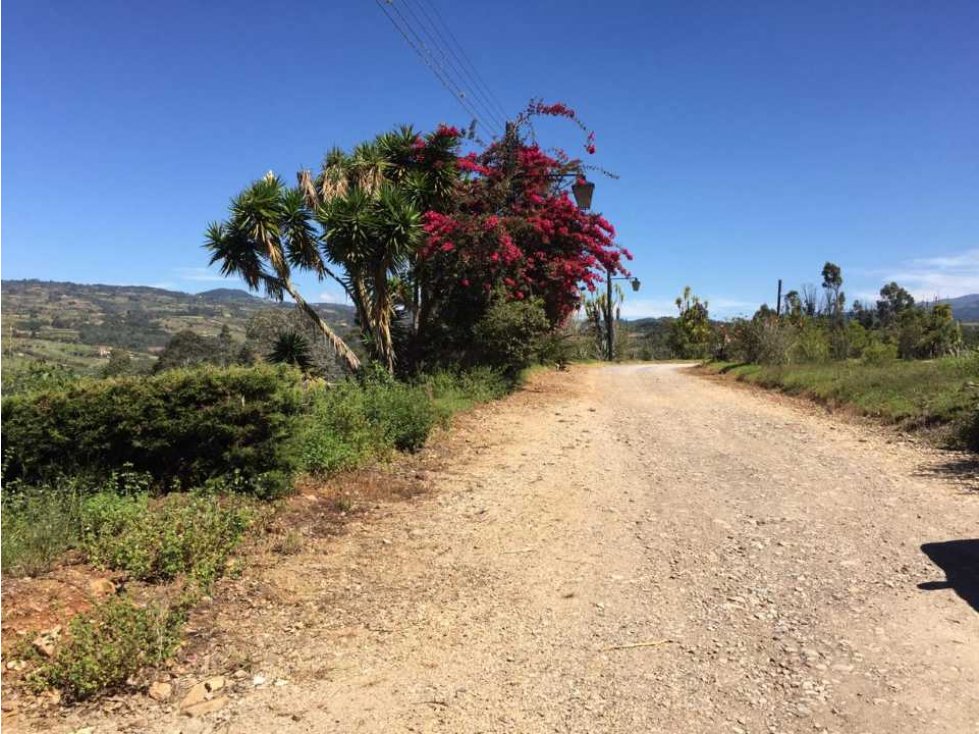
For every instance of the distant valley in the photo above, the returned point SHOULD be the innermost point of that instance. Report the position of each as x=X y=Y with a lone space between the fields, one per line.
x=77 y=324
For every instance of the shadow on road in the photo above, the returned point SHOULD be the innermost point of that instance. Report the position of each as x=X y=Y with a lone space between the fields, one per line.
x=959 y=559
x=961 y=468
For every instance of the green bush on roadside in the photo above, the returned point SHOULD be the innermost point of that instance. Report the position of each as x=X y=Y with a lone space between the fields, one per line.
x=38 y=525
x=183 y=428
x=107 y=645
x=970 y=431
x=453 y=392
x=877 y=352
x=403 y=415
x=335 y=433
x=348 y=424
x=158 y=540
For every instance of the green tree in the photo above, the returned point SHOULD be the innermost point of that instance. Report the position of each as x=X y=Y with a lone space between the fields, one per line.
x=120 y=363
x=793 y=307
x=894 y=300
x=369 y=203
x=928 y=334
x=832 y=285
x=292 y=348
x=268 y=235
x=942 y=332
x=185 y=349
x=691 y=332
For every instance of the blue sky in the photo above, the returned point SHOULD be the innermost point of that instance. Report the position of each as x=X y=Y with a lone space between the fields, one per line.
x=754 y=140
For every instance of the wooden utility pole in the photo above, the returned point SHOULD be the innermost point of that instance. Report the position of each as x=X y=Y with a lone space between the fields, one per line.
x=778 y=302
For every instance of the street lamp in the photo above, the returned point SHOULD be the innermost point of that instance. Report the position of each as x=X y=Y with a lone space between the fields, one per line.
x=583 y=189
x=610 y=335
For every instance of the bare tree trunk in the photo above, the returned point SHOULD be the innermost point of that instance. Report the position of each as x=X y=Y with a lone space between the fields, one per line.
x=339 y=346
x=382 y=316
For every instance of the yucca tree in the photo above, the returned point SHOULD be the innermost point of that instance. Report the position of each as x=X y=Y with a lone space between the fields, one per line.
x=270 y=232
x=369 y=203
x=291 y=348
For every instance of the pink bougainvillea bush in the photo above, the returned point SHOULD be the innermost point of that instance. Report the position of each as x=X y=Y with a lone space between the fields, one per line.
x=513 y=231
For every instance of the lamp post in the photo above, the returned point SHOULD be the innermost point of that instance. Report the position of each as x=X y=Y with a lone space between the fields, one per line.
x=609 y=316
x=583 y=190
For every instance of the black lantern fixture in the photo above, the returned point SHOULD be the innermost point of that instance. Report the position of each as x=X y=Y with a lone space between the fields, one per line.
x=583 y=190
x=635 y=284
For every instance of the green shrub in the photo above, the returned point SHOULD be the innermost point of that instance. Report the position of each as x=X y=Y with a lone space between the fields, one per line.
x=160 y=540
x=106 y=646
x=348 y=424
x=336 y=433
x=811 y=344
x=509 y=335
x=38 y=525
x=181 y=427
x=38 y=375
x=970 y=431
x=452 y=392
x=877 y=352
x=403 y=414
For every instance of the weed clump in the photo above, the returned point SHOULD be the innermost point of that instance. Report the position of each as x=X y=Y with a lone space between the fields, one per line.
x=158 y=540
x=109 y=644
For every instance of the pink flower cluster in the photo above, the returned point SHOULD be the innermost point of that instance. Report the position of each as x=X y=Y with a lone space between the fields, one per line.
x=538 y=244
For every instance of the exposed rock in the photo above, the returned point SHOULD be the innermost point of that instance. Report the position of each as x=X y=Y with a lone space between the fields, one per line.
x=196 y=695
x=205 y=707
x=101 y=588
x=160 y=691
x=46 y=642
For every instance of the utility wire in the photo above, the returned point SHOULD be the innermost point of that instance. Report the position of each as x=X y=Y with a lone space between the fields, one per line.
x=478 y=78
x=444 y=47
x=412 y=39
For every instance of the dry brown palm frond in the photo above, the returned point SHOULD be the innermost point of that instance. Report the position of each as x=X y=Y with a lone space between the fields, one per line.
x=334 y=184
x=310 y=195
x=369 y=179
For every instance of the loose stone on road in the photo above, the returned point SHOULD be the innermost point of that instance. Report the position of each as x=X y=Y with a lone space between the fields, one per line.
x=624 y=549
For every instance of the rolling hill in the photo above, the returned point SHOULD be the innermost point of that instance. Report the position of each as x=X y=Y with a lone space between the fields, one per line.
x=73 y=323
x=964 y=308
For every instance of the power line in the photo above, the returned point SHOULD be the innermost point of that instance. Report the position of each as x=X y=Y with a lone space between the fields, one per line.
x=480 y=81
x=481 y=92
x=435 y=68
x=417 y=44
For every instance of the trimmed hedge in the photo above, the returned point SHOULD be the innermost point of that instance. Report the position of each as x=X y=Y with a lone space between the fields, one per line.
x=183 y=428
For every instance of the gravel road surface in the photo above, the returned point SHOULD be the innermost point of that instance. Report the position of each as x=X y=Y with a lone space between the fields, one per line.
x=620 y=549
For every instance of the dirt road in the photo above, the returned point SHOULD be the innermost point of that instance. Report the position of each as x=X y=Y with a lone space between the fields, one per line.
x=624 y=549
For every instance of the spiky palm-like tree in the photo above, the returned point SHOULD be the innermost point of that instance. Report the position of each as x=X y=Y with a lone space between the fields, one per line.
x=268 y=234
x=292 y=348
x=369 y=203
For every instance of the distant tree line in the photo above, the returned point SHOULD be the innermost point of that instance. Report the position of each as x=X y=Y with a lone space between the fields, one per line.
x=813 y=325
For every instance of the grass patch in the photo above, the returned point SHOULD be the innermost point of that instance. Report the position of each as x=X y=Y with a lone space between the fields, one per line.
x=107 y=645
x=158 y=540
x=38 y=526
x=347 y=425
x=914 y=394
x=148 y=539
